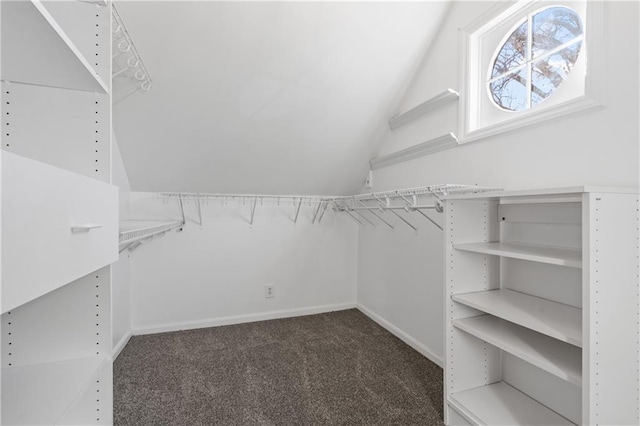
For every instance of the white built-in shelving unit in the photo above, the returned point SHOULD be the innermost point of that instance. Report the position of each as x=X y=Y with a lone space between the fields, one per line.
x=541 y=307
x=59 y=213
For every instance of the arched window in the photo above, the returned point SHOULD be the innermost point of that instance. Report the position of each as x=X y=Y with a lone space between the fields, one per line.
x=535 y=58
x=525 y=62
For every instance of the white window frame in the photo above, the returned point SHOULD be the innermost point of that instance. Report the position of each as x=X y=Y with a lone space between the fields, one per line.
x=473 y=75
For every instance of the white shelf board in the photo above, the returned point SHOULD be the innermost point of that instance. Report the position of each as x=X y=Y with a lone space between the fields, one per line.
x=560 y=359
x=562 y=322
x=135 y=230
x=570 y=192
x=427 y=106
x=36 y=50
x=542 y=254
x=425 y=148
x=51 y=387
x=501 y=404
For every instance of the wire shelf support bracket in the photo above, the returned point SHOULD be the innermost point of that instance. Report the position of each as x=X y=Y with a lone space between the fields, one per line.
x=127 y=63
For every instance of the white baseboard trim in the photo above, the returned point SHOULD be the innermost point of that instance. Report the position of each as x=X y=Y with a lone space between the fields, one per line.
x=425 y=351
x=239 y=319
x=121 y=344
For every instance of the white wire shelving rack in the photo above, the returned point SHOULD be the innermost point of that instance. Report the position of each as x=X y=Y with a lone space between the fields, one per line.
x=129 y=71
x=375 y=204
x=134 y=233
x=365 y=209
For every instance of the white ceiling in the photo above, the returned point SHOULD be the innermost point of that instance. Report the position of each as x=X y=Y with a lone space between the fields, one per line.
x=266 y=97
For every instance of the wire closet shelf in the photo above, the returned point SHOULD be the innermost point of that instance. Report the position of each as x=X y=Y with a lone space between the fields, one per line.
x=134 y=233
x=127 y=62
x=375 y=203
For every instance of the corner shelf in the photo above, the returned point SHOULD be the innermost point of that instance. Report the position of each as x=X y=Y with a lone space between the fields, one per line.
x=39 y=386
x=543 y=254
x=562 y=322
x=560 y=359
x=36 y=50
x=501 y=404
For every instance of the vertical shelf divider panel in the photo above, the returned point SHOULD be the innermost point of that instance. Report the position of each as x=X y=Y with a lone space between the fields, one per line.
x=583 y=243
x=611 y=309
x=476 y=363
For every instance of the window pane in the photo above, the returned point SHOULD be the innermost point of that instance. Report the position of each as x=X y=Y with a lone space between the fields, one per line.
x=548 y=73
x=553 y=27
x=513 y=52
x=510 y=92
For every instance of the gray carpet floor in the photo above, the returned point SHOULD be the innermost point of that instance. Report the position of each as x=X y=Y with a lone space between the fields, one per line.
x=338 y=368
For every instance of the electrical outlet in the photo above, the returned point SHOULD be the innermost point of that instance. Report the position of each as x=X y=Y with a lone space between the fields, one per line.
x=269 y=291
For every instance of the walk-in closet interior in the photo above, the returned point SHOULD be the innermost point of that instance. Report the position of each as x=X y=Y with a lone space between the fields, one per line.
x=320 y=213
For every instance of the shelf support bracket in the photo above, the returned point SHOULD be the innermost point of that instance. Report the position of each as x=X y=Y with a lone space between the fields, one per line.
x=184 y=221
x=295 y=220
x=352 y=216
x=429 y=219
x=315 y=215
x=133 y=246
x=199 y=209
x=125 y=247
x=376 y=215
x=324 y=209
x=404 y=220
x=253 y=209
x=361 y=216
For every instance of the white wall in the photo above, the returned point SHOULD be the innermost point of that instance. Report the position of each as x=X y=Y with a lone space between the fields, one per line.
x=292 y=92
x=215 y=274
x=597 y=147
x=398 y=285
x=120 y=271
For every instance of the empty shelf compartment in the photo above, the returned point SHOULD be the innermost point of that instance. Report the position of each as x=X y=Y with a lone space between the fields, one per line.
x=558 y=358
x=52 y=387
x=562 y=322
x=501 y=404
x=552 y=255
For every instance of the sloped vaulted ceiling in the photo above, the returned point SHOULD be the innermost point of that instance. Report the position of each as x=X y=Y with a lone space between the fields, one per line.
x=266 y=97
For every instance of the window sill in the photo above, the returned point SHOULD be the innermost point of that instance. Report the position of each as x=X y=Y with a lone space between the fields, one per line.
x=574 y=106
